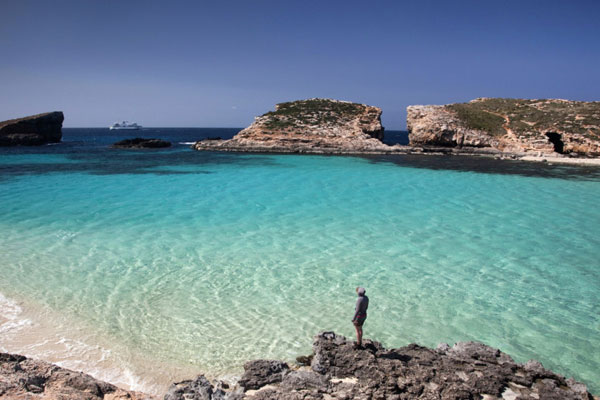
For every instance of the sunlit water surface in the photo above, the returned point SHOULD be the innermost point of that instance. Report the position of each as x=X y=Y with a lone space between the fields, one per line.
x=143 y=267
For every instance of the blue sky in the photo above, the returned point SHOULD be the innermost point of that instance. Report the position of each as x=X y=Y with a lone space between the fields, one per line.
x=220 y=63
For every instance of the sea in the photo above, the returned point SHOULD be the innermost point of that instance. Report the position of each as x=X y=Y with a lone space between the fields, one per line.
x=144 y=267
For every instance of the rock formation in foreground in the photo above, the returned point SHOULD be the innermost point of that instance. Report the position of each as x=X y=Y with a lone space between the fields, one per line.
x=33 y=130
x=24 y=378
x=321 y=126
x=337 y=370
x=516 y=126
x=141 y=143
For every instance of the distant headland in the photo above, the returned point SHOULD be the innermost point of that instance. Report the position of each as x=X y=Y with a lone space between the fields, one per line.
x=33 y=130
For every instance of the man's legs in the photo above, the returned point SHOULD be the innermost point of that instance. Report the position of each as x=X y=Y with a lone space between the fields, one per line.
x=358 y=334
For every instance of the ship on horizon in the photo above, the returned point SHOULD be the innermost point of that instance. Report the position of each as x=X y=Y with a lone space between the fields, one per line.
x=125 y=125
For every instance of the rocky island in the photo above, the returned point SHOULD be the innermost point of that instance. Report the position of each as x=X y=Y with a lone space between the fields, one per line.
x=335 y=370
x=515 y=126
x=534 y=130
x=320 y=126
x=33 y=130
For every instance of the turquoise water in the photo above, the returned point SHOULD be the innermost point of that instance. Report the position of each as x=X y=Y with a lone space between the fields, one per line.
x=207 y=260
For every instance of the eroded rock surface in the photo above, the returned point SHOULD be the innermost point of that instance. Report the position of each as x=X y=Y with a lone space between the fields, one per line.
x=321 y=126
x=33 y=130
x=467 y=370
x=518 y=126
x=24 y=378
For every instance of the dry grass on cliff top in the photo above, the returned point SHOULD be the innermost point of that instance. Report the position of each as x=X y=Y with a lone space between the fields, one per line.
x=530 y=116
x=311 y=112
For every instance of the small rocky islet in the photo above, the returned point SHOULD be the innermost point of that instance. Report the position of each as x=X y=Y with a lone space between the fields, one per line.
x=336 y=369
x=141 y=143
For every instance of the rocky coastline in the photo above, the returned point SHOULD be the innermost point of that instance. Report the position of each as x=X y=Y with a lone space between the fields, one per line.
x=33 y=130
x=548 y=127
x=556 y=131
x=336 y=369
x=313 y=126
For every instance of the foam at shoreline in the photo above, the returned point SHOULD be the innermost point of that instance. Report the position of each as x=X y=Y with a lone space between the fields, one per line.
x=43 y=335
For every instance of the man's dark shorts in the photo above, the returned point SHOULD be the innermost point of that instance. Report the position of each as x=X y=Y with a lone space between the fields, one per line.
x=360 y=321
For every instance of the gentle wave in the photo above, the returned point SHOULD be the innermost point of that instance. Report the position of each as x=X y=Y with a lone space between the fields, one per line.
x=37 y=339
x=11 y=321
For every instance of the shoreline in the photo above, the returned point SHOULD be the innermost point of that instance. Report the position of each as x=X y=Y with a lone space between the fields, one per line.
x=222 y=146
x=44 y=335
x=336 y=368
x=150 y=384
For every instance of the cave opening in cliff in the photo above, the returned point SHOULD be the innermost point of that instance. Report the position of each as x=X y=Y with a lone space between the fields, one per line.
x=554 y=138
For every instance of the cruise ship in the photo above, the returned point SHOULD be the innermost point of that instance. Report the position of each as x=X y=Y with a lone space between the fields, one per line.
x=125 y=125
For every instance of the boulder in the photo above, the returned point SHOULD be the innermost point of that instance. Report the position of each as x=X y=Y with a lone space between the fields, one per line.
x=259 y=373
x=197 y=389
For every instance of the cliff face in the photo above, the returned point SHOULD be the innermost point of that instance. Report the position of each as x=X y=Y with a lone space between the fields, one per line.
x=309 y=126
x=33 y=130
x=509 y=125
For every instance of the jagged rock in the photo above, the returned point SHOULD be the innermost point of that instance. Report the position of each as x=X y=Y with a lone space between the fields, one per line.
x=259 y=373
x=197 y=389
x=311 y=126
x=517 y=126
x=467 y=370
x=301 y=380
x=33 y=130
x=304 y=360
x=141 y=143
x=24 y=378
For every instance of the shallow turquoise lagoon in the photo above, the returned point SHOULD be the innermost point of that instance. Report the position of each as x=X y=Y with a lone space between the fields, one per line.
x=207 y=260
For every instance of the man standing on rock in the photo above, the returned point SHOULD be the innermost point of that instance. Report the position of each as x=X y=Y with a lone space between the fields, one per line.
x=360 y=314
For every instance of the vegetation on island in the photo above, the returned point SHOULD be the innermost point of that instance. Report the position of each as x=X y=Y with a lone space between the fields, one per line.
x=526 y=117
x=310 y=113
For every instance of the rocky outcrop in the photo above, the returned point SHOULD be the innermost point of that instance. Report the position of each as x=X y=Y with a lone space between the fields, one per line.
x=33 y=130
x=141 y=143
x=517 y=126
x=338 y=370
x=24 y=378
x=321 y=126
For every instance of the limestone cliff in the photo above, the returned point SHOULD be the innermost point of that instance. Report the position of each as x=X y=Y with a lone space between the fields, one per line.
x=33 y=130
x=509 y=125
x=309 y=126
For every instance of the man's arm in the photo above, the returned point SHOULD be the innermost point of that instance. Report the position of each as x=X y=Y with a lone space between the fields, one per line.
x=356 y=309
